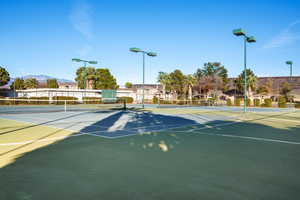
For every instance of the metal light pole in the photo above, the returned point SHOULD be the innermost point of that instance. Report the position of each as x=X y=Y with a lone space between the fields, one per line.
x=85 y=62
x=290 y=63
x=152 y=54
x=249 y=39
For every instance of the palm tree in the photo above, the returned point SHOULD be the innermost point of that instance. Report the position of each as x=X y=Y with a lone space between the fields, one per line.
x=251 y=81
x=213 y=76
x=190 y=81
x=164 y=79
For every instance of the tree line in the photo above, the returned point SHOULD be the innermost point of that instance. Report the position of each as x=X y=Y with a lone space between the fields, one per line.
x=212 y=80
x=86 y=77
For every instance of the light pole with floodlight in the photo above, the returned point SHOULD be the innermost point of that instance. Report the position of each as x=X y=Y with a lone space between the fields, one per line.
x=249 y=39
x=290 y=63
x=152 y=54
x=84 y=72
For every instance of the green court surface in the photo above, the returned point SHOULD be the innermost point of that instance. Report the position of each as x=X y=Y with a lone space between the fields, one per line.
x=230 y=156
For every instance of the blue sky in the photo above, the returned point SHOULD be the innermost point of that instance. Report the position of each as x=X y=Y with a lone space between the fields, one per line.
x=41 y=37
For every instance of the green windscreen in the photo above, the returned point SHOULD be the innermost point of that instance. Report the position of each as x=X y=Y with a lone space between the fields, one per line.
x=109 y=96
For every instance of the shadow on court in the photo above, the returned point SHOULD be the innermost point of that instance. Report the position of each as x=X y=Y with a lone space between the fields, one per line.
x=163 y=164
x=125 y=123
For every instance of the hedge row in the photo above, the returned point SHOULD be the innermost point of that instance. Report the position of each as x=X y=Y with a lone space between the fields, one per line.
x=92 y=100
x=126 y=99
x=61 y=99
x=256 y=102
x=281 y=102
x=25 y=101
x=267 y=103
x=228 y=102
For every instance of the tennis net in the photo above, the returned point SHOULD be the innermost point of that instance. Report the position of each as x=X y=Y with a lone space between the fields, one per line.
x=15 y=106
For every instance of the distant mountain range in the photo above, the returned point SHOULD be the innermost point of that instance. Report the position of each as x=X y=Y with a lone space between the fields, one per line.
x=41 y=79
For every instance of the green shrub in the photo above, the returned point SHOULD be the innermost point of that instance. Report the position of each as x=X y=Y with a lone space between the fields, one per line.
x=182 y=102
x=32 y=102
x=26 y=101
x=155 y=100
x=248 y=102
x=126 y=99
x=165 y=102
x=64 y=98
x=61 y=99
x=267 y=103
x=281 y=102
x=257 y=102
x=297 y=105
x=237 y=101
x=92 y=100
x=228 y=102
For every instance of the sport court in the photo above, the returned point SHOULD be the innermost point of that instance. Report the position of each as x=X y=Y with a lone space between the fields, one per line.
x=156 y=153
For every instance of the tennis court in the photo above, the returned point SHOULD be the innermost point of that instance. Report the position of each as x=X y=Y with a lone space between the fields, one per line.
x=155 y=153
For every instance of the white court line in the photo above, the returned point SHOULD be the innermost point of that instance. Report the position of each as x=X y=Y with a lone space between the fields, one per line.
x=40 y=140
x=251 y=138
x=276 y=119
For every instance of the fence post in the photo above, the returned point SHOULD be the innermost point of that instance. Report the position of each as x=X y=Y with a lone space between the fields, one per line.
x=65 y=105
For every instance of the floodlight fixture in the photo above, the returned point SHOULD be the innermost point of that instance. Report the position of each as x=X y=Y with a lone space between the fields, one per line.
x=152 y=54
x=135 y=50
x=251 y=39
x=76 y=60
x=92 y=62
x=239 y=32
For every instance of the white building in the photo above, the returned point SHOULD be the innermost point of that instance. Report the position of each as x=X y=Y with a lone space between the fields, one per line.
x=136 y=92
x=51 y=92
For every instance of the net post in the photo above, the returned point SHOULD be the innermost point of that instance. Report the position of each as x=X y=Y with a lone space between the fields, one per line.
x=65 y=105
x=158 y=101
x=124 y=103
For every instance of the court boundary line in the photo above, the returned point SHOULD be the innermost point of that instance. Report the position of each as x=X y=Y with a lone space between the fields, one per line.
x=41 y=140
x=250 y=138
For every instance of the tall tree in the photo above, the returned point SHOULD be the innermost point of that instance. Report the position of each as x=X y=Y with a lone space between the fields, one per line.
x=52 y=83
x=80 y=77
x=285 y=89
x=18 y=84
x=85 y=76
x=190 y=81
x=104 y=79
x=177 y=81
x=31 y=83
x=213 y=76
x=4 y=76
x=267 y=88
x=128 y=85
x=164 y=79
x=251 y=81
